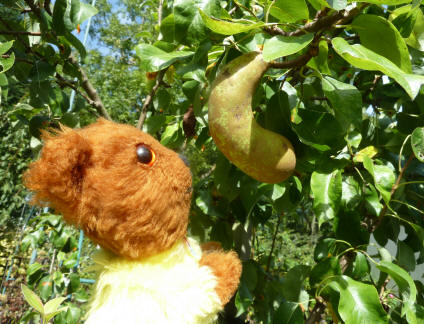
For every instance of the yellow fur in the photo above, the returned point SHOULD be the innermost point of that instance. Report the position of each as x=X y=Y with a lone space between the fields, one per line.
x=167 y=288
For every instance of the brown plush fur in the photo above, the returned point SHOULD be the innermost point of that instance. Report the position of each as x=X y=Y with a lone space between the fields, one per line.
x=93 y=177
x=226 y=266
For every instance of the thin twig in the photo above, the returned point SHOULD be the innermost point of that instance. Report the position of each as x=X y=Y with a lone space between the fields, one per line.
x=17 y=36
x=273 y=241
x=149 y=98
x=19 y=32
x=298 y=61
x=160 y=13
x=316 y=312
x=159 y=80
x=90 y=91
x=241 y=6
x=18 y=59
x=320 y=22
x=64 y=83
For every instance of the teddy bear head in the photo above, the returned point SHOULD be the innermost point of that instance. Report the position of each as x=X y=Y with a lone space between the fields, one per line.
x=128 y=193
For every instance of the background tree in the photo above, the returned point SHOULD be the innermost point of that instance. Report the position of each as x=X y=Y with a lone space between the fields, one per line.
x=340 y=239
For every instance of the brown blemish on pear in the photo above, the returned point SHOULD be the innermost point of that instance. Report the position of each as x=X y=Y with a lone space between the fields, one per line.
x=262 y=154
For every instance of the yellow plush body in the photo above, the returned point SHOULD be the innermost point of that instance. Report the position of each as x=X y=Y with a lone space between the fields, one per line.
x=167 y=288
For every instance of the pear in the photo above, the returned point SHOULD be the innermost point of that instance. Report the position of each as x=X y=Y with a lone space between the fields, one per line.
x=262 y=154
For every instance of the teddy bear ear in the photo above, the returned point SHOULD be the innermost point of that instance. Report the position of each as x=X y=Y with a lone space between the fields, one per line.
x=56 y=177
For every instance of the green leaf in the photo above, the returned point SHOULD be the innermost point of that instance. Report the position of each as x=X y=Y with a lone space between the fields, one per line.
x=354 y=139
x=167 y=29
x=318 y=129
x=243 y=299
x=327 y=191
x=289 y=11
x=294 y=282
x=405 y=19
x=71 y=316
x=74 y=283
x=384 y=177
x=347 y=226
x=385 y=255
x=81 y=12
x=278 y=191
x=52 y=305
x=416 y=38
x=34 y=273
x=33 y=268
x=346 y=101
x=360 y=266
x=70 y=39
x=280 y=46
x=225 y=27
x=363 y=58
x=406 y=285
x=45 y=287
x=225 y=178
x=319 y=4
x=169 y=133
x=379 y=35
x=383 y=2
x=351 y=193
x=42 y=71
x=405 y=256
x=4 y=86
x=369 y=151
x=71 y=261
x=53 y=314
x=62 y=22
x=324 y=249
x=189 y=26
x=7 y=63
x=417 y=143
x=154 y=59
x=81 y=296
x=32 y=299
x=288 y=313
x=4 y=47
x=326 y=268
x=320 y=62
x=359 y=303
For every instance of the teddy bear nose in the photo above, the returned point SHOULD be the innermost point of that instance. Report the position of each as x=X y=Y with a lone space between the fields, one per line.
x=185 y=160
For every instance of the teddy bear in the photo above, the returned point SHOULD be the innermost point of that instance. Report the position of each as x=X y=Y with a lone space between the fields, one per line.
x=131 y=196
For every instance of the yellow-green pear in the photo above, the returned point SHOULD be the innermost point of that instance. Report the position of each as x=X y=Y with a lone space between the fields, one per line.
x=262 y=154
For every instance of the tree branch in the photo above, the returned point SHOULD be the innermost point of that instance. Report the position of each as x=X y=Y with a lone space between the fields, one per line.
x=298 y=61
x=17 y=36
x=319 y=23
x=64 y=83
x=19 y=32
x=18 y=59
x=160 y=9
x=159 y=79
x=149 y=98
x=273 y=241
x=316 y=312
x=96 y=102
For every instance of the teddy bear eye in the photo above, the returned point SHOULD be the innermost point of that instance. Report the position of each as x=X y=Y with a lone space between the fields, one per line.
x=145 y=154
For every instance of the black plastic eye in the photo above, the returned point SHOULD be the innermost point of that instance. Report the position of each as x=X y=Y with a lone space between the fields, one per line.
x=145 y=154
